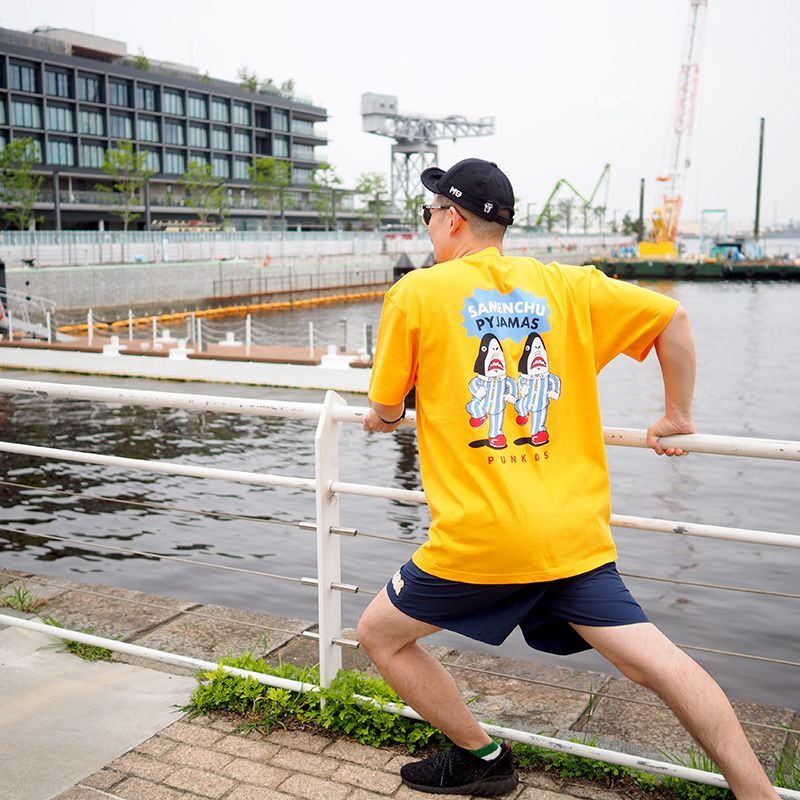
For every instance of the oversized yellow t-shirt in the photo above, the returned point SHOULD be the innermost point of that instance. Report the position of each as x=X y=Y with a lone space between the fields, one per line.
x=504 y=353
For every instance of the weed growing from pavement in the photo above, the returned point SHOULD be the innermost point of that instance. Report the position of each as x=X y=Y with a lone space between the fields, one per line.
x=88 y=652
x=21 y=599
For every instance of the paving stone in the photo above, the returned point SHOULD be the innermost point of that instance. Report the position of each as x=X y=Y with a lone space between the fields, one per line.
x=226 y=724
x=192 y=734
x=298 y=740
x=587 y=790
x=138 y=789
x=532 y=793
x=360 y=753
x=113 y=617
x=44 y=588
x=363 y=794
x=157 y=746
x=308 y=763
x=764 y=741
x=523 y=705
x=78 y=793
x=189 y=755
x=314 y=788
x=247 y=792
x=241 y=769
x=212 y=639
x=9 y=575
x=243 y=747
x=399 y=761
x=103 y=780
x=366 y=778
x=142 y=766
x=206 y=784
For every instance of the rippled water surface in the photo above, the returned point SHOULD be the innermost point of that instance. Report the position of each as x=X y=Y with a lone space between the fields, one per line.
x=748 y=385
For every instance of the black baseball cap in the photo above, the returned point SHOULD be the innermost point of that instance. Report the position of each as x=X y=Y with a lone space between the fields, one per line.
x=477 y=185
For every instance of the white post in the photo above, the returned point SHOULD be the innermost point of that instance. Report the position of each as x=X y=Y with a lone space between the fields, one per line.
x=199 y=334
x=311 y=340
x=247 y=335
x=90 y=326
x=48 y=323
x=155 y=331
x=130 y=325
x=326 y=471
x=10 y=326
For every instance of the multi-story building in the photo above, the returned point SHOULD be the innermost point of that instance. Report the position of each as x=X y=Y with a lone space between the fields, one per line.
x=76 y=95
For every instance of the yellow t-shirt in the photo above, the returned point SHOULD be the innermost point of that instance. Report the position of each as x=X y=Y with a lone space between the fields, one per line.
x=504 y=353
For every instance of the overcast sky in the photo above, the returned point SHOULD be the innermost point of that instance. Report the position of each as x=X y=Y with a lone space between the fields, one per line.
x=573 y=84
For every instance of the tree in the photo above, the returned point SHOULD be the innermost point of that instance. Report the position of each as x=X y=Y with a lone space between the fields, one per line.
x=248 y=80
x=412 y=214
x=371 y=187
x=324 y=182
x=600 y=213
x=19 y=185
x=630 y=226
x=268 y=181
x=564 y=211
x=204 y=191
x=129 y=173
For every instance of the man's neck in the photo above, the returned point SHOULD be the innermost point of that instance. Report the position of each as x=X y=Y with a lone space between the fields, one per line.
x=471 y=247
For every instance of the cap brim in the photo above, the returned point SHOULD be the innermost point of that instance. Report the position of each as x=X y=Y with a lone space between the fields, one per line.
x=430 y=178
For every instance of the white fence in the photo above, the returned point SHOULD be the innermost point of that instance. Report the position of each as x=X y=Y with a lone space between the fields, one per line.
x=328 y=488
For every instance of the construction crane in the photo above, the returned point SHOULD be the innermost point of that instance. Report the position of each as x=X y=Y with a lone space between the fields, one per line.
x=667 y=217
x=414 y=135
x=586 y=203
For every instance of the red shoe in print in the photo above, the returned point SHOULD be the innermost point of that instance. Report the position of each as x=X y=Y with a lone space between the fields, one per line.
x=540 y=438
x=476 y=422
x=522 y=420
x=498 y=442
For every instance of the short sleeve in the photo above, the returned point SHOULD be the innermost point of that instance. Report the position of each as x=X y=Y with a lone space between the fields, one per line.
x=394 y=367
x=625 y=318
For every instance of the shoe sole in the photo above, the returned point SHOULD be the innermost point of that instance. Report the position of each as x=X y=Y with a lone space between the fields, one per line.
x=492 y=786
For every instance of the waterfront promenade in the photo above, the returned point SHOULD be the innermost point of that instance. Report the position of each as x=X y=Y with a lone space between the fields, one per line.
x=82 y=731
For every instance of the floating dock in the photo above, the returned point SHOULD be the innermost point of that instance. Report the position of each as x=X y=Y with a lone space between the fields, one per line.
x=628 y=268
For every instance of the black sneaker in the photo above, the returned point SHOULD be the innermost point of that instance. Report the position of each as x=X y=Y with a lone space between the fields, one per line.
x=457 y=771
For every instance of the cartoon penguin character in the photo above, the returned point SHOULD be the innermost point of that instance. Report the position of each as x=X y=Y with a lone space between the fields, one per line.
x=491 y=389
x=536 y=387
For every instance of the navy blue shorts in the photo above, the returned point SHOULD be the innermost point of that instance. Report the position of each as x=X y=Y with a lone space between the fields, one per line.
x=543 y=611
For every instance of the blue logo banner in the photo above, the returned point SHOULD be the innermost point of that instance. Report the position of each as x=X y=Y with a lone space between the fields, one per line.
x=508 y=316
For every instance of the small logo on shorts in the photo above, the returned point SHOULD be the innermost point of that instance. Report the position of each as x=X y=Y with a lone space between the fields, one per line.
x=397 y=583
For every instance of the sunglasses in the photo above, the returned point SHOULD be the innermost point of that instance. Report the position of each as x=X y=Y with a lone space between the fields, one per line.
x=426 y=213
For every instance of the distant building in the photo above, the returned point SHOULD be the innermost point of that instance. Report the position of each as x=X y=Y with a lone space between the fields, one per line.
x=77 y=94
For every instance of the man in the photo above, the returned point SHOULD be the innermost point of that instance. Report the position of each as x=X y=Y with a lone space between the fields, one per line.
x=520 y=534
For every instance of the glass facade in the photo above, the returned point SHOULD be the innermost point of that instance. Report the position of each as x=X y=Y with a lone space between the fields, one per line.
x=22 y=77
x=26 y=114
x=198 y=158
x=89 y=88
x=152 y=160
x=92 y=154
x=56 y=82
x=241 y=114
x=173 y=102
x=147 y=129
x=280 y=146
x=174 y=162
x=174 y=132
x=60 y=151
x=220 y=139
x=146 y=97
x=280 y=120
x=92 y=122
x=197 y=106
x=241 y=168
x=220 y=111
x=303 y=126
x=241 y=141
x=120 y=126
x=198 y=135
x=221 y=166
x=304 y=152
x=118 y=93
x=60 y=118
x=301 y=176
x=2 y=111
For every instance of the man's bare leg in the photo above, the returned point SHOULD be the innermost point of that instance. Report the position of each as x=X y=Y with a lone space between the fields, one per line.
x=390 y=639
x=643 y=654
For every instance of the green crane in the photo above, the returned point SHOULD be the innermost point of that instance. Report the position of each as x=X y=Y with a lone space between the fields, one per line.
x=586 y=204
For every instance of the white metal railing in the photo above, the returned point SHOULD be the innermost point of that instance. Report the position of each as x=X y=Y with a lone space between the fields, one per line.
x=329 y=417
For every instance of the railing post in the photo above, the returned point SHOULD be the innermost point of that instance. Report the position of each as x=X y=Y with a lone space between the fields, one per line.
x=248 y=336
x=311 y=339
x=130 y=325
x=48 y=321
x=90 y=326
x=326 y=461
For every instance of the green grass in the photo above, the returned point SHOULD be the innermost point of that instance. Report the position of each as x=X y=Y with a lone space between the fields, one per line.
x=88 y=652
x=21 y=599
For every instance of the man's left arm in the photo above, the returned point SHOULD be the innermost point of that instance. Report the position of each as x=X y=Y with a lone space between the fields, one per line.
x=384 y=419
x=675 y=350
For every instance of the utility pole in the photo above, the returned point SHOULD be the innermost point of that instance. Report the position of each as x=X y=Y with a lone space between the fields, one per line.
x=758 y=182
x=641 y=210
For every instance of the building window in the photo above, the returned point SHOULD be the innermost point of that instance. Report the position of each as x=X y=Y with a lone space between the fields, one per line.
x=146 y=97
x=56 y=83
x=241 y=114
x=303 y=127
x=35 y=150
x=59 y=118
x=2 y=111
x=2 y=141
x=198 y=158
x=220 y=111
x=25 y=114
x=152 y=160
x=220 y=139
x=120 y=126
x=221 y=166
x=241 y=141
x=280 y=146
x=173 y=102
x=198 y=136
x=301 y=176
x=92 y=122
x=198 y=106
x=174 y=162
x=89 y=88
x=174 y=132
x=241 y=168
x=118 y=94
x=22 y=77
x=92 y=154
x=304 y=152
x=280 y=120
x=147 y=129
x=60 y=151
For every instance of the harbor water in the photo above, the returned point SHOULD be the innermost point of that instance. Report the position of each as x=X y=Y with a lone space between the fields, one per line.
x=748 y=385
